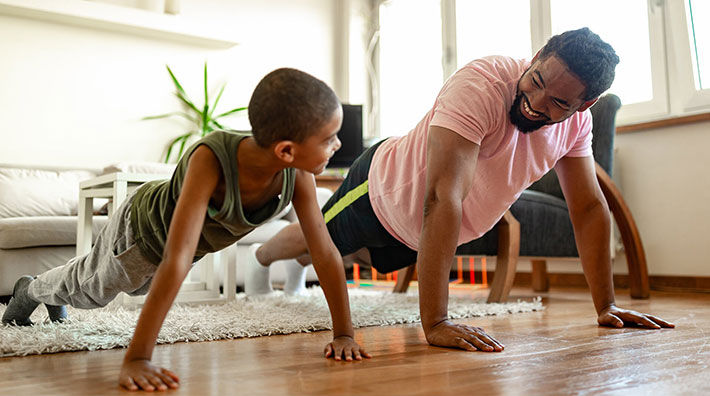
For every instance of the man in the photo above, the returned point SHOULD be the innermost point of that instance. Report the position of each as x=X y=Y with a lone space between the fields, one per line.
x=497 y=125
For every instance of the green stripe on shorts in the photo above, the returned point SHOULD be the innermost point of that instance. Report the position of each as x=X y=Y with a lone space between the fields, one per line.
x=346 y=200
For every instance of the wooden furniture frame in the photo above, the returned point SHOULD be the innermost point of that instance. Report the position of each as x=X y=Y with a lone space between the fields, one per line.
x=633 y=247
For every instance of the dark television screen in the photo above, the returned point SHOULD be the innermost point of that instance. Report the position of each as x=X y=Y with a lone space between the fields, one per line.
x=350 y=136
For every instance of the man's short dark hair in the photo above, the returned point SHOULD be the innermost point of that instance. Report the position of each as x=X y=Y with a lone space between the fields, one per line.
x=587 y=56
x=288 y=104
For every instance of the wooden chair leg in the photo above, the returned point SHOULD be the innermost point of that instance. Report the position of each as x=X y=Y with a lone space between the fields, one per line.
x=404 y=276
x=635 y=256
x=540 y=283
x=508 y=251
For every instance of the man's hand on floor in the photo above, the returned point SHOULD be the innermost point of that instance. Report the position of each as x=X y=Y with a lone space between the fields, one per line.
x=452 y=335
x=614 y=316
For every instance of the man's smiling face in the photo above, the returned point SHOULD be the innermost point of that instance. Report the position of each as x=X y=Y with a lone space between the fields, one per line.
x=548 y=92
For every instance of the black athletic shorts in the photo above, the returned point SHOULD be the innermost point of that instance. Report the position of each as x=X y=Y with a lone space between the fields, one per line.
x=352 y=223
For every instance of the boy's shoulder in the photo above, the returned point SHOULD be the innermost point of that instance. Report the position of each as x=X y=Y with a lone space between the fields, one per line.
x=224 y=137
x=227 y=133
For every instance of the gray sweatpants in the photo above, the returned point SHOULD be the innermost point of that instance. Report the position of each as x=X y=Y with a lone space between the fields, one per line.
x=115 y=264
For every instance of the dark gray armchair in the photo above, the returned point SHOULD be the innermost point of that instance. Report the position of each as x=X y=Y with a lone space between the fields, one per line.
x=538 y=224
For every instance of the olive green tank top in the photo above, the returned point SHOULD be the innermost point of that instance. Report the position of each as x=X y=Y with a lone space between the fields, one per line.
x=153 y=204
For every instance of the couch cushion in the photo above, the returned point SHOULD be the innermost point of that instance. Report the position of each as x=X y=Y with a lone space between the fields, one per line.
x=35 y=192
x=30 y=261
x=545 y=226
x=22 y=232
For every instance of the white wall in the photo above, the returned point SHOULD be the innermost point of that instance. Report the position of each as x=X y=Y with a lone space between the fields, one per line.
x=74 y=96
x=664 y=176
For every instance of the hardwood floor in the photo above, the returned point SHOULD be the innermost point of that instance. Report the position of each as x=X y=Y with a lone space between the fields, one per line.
x=557 y=351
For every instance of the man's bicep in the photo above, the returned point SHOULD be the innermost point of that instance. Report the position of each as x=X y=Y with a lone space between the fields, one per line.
x=451 y=162
x=577 y=176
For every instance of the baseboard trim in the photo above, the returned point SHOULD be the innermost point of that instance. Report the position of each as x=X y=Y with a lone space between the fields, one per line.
x=696 y=284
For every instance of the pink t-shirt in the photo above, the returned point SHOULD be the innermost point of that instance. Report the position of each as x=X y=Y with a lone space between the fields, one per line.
x=474 y=103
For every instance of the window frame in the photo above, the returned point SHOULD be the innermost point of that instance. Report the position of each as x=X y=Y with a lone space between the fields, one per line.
x=688 y=100
x=658 y=106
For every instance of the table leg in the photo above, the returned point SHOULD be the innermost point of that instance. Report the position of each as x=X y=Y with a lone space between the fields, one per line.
x=230 y=278
x=207 y=272
x=84 y=226
x=120 y=191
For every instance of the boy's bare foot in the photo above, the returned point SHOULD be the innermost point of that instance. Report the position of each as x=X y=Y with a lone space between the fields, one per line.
x=21 y=305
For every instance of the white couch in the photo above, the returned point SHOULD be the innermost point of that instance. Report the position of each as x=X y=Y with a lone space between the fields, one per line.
x=38 y=221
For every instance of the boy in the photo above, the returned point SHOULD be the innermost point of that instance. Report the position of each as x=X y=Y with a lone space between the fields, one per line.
x=223 y=187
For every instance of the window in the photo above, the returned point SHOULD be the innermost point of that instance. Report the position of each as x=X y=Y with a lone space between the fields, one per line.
x=628 y=30
x=413 y=63
x=474 y=27
x=697 y=13
x=689 y=57
x=664 y=47
x=410 y=73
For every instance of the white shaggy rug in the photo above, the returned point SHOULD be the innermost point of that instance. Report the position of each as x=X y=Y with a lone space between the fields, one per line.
x=112 y=326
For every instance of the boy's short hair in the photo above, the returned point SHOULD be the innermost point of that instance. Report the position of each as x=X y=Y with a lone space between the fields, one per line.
x=587 y=56
x=289 y=104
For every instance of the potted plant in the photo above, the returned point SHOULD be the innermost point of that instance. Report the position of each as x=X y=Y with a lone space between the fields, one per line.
x=203 y=119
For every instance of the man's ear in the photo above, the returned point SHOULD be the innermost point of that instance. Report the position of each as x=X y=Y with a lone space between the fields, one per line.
x=285 y=150
x=588 y=104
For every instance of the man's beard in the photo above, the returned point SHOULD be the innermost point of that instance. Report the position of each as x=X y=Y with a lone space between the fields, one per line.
x=523 y=124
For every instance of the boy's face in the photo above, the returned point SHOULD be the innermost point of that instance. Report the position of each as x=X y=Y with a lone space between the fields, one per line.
x=315 y=152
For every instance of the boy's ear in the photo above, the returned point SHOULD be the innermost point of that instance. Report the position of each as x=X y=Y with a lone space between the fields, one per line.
x=285 y=150
x=587 y=104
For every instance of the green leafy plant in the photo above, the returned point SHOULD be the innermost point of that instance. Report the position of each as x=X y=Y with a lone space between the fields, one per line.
x=203 y=119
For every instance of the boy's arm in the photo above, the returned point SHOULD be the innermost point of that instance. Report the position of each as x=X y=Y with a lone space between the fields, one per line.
x=592 y=225
x=329 y=267
x=451 y=164
x=201 y=179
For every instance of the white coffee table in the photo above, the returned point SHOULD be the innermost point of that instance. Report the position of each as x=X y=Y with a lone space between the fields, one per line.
x=116 y=187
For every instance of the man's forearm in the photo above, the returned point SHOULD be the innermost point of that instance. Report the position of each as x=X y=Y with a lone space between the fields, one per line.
x=440 y=230
x=592 y=232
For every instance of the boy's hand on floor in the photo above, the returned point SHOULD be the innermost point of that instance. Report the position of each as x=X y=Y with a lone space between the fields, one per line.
x=452 y=335
x=614 y=316
x=143 y=375
x=344 y=347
